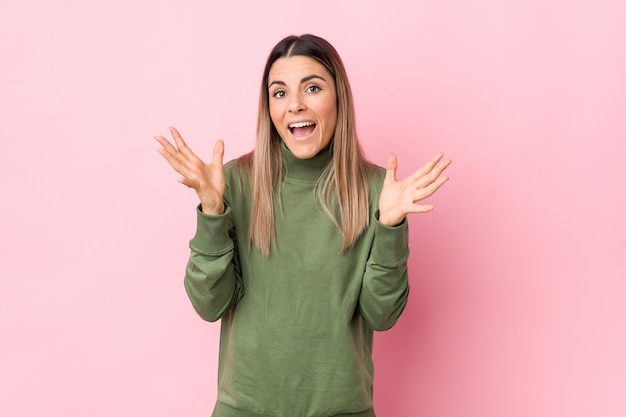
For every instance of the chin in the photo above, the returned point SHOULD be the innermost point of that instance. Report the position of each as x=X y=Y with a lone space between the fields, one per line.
x=302 y=150
x=303 y=153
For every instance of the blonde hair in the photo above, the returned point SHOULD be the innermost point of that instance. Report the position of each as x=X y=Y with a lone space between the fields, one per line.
x=342 y=189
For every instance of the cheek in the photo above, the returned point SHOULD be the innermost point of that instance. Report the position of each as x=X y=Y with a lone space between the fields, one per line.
x=330 y=116
x=329 y=108
x=275 y=115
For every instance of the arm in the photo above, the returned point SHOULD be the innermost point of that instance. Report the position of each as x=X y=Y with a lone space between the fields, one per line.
x=213 y=276
x=385 y=288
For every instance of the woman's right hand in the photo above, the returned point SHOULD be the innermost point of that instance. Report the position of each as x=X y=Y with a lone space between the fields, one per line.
x=206 y=179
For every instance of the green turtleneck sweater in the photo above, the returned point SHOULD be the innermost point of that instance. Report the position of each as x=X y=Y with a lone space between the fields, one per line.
x=297 y=326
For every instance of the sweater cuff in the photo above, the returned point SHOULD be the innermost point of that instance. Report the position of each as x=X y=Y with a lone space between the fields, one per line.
x=212 y=232
x=391 y=244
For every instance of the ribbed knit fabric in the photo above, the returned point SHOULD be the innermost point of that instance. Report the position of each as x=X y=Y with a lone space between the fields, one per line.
x=297 y=327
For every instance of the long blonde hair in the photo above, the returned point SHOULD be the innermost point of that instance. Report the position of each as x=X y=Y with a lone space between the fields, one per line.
x=342 y=189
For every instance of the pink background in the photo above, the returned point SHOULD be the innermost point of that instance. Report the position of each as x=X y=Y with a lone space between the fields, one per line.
x=518 y=303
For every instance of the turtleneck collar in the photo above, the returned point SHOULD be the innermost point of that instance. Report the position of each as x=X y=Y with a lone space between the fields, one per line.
x=306 y=169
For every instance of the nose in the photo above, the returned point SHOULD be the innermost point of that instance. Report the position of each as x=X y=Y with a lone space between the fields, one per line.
x=296 y=104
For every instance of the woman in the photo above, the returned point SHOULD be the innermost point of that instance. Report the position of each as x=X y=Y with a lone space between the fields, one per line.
x=301 y=245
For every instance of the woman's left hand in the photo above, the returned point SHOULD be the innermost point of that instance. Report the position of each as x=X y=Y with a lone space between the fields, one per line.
x=399 y=198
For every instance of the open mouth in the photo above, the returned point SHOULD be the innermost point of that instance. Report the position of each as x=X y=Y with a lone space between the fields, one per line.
x=302 y=129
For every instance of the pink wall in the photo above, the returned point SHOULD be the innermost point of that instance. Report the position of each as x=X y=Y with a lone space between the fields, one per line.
x=518 y=303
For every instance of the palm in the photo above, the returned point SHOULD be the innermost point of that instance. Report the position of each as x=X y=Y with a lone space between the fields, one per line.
x=399 y=198
x=206 y=179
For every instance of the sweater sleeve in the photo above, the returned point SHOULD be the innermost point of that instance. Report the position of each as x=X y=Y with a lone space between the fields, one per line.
x=385 y=288
x=213 y=275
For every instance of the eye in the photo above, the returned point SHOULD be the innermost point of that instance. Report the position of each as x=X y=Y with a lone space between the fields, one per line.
x=313 y=89
x=279 y=94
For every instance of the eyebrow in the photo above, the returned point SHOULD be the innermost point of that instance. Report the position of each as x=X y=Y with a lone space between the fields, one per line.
x=302 y=81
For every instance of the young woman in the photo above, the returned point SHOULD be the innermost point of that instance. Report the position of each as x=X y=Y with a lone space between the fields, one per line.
x=301 y=245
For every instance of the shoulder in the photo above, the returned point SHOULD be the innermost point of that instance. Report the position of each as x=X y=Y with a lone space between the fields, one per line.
x=375 y=175
x=238 y=166
x=230 y=171
x=376 y=170
x=230 y=166
x=237 y=174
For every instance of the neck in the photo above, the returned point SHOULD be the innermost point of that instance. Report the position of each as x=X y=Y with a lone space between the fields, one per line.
x=306 y=169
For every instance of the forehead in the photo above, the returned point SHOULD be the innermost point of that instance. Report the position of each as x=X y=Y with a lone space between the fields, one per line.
x=297 y=67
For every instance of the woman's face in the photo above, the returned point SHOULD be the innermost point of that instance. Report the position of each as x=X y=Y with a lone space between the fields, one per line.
x=303 y=104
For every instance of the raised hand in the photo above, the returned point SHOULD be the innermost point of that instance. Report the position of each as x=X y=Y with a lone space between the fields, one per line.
x=206 y=179
x=399 y=198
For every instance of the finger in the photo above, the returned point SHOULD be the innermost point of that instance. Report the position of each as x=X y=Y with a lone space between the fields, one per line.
x=173 y=157
x=180 y=143
x=429 y=190
x=218 y=153
x=174 y=162
x=187 y=182
x=165 y=143
x=432 y=176
x=168 y=150
x=392 y=167
x=427 y=167
x=421 y=208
